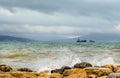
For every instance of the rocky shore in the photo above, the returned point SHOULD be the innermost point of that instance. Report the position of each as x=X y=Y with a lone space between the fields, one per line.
x=79 y=70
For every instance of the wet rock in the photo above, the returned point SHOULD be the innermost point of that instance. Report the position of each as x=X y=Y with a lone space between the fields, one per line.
x=114 y=75
x=57 y=71
x=61 y=70
x=5 y=68
x=75 y=73
x=25 y=70
x=82 y=65
x=98 y=71
x=65 y=68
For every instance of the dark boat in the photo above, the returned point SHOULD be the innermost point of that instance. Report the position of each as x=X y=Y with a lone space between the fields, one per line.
x=81 y=40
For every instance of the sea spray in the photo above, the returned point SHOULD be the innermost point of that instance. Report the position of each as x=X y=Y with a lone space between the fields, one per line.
x=103 y=61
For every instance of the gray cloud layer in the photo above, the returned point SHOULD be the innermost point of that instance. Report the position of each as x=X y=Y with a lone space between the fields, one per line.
x=58 y=18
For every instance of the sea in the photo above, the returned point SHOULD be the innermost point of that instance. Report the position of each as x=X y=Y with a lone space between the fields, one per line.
x=40 y=56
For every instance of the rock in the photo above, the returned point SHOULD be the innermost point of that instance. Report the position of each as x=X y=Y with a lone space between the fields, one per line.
x=56 y=75
x=98 y=71
x=65 y=68
x=103 y=77
x=110 y=66
x=43 y=75
x=92 y=76
x=82 y=65
x=5 y=68
x=61 y=70
x=114 y=75
x=75 y=73
x=117 y=69
x=57 y=71
x=25 y=70
x=29 y=75
x=5 y=75
x=76 y=76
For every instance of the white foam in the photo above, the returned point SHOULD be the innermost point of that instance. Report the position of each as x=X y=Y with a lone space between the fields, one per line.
x=58 y=62
x=103 y=61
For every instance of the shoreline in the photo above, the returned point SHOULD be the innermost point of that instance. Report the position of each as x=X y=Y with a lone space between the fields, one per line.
x=79 y=70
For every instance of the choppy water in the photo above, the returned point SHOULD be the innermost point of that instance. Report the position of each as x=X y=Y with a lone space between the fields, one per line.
x=46 y=56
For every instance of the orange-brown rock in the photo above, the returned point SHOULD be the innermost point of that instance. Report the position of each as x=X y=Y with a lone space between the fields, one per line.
x=5 y=68
x=18 y=74
x=92 y=76
x=56 y=75
x=75 y=73
x=117 y=69
x=43 y=75
x=110 y=66
x=103 y=77
x=98 y=71
x=6 y=75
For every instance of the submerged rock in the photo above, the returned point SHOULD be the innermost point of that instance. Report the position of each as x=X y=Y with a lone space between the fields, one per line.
x=5 y=68
x=25 y=70
x=82 y=65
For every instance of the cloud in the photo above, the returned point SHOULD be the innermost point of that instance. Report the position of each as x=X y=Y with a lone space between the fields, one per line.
x=117 y=27
x=27 y=16
x=58 y=18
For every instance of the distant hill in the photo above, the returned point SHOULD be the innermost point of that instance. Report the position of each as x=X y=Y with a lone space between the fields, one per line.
x=11 y=38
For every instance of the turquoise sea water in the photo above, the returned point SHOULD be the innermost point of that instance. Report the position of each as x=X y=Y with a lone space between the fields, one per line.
x=46 y=56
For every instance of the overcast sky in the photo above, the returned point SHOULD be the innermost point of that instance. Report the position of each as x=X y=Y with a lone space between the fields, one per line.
x=58 y=19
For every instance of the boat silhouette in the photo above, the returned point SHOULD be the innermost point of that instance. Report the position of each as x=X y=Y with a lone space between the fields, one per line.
x=78 y=40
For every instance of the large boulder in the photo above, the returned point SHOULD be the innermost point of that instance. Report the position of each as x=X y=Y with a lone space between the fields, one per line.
x=75 y=73
x=5 y=68
x=98 y=71
x=82 y=65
